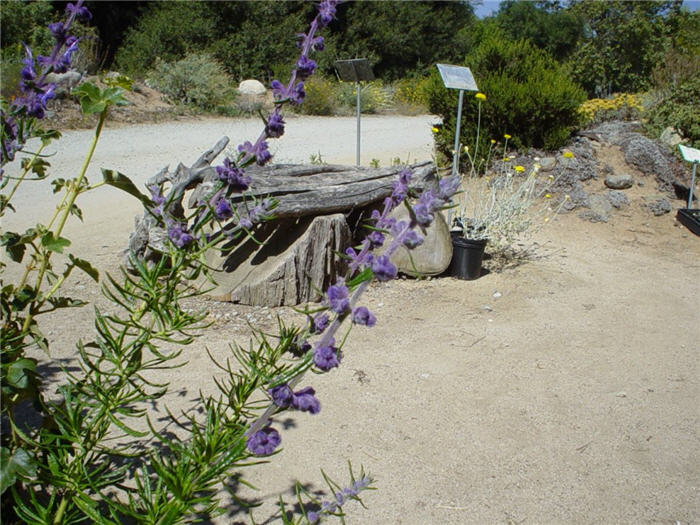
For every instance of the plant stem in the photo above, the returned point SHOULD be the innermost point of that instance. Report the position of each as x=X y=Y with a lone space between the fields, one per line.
x=72 y=195
x=21 y=177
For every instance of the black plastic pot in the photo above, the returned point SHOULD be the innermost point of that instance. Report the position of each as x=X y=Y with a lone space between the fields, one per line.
x=690 y=219
x=467 y=255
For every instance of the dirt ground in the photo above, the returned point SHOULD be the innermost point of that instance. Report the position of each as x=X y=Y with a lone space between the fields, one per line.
x=562 y=390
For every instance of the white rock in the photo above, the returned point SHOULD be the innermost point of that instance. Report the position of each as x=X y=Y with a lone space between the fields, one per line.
x=251 y=87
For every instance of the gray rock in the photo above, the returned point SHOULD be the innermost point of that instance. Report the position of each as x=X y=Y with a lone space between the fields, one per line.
x=619 y=182
x=548 y=163
x=671 y=137
x=618 y=199
x=599 y=209
x=65 y=82
x=656 y=204
x=251 y=87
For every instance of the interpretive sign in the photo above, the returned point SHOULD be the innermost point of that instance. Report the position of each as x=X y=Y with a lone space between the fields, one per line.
x=690 y=155
x=457 y=77
x=461 y=78
x=355 y=70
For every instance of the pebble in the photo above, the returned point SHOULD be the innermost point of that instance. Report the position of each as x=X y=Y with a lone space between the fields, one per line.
x=497 y=294
x=488 y=308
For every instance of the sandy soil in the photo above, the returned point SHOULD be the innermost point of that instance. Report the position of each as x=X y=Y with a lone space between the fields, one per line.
x=564 y=390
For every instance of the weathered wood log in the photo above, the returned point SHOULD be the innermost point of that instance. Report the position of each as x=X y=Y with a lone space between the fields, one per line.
x=298 y=259
x=319 y=189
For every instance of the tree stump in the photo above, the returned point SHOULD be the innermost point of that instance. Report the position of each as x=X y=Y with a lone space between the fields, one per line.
x=297 y=260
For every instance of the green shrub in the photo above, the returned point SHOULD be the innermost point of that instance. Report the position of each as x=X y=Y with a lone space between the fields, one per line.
x=529 y=96
x=321 y=97
x=411 y=93
x=374 y=97
x=677 y=107
x=196 y=80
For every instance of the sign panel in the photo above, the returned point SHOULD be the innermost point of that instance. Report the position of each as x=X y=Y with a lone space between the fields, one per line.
x=689 y=154
x=354 y=70
x=457 y=77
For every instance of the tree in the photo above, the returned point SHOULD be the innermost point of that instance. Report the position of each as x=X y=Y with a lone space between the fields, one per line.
x=622 y=43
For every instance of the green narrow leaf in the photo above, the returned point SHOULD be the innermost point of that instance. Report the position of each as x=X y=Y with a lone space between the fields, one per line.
x=54 y=244
x=86 y=267
x=121 y=181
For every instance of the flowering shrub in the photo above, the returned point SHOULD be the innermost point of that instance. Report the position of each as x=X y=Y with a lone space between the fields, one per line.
x=88 y=461
x=622 y=106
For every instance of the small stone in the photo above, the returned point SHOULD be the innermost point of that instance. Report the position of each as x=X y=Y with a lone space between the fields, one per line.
x=657 y=204
x=618 y=199
x=619 y=182
x=599 y=209
x=548 y=163
x=671 y=137
x=621 y=394
x=497 y=294
x=488 y=308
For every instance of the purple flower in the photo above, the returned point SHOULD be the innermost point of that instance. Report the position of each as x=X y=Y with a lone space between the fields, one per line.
x=157 y=198
x=383 y=268
x=327 y=357
x=281 y=395
x=423 y=214
x=362 y=316
x=297 y=94
x=278 y=89
x=223 y=209
x=305 y=67
x=312 y=516
x=305 y=400
x=319 y=323
x=264 y=442
x=178 y=235
x=233 y=175
x=77 y=10
x=447 y=187
x=326 y=12
x=245 y=223
x=260 y=211
x=338 y=300
x=376 y=238
x=412 y=239
x=318 y=43
x=275 y=126
x=259 y=151
x=58 y=31
x=10 y=142
x=361 y=483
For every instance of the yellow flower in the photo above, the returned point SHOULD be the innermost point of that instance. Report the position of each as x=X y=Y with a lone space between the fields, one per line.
x=506 y=159
x=480 y=96
x=546 y=219
x=435 y=130
x=568 y=155
x=466 y=149
x=548 y=196
x=519 y=169
x=493 y=141
x=506 y=136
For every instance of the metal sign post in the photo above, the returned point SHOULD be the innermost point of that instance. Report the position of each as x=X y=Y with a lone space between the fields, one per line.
x=691 y=155
x=355 y=70
x=461 y=78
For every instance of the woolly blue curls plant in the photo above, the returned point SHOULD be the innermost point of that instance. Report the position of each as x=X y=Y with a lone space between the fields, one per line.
x=87 y=461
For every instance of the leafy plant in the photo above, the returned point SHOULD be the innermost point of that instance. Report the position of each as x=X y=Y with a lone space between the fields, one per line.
x=528 y=95
x=196 y=80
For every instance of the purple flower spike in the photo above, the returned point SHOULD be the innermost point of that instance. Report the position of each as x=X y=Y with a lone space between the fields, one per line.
x=327 y=357
x=223 y=209
x=264 y=442
x=447 y=187
x=233 y=175
x=412 y=239
x=305 y=67
x=77 y=10
x=383 y=268
x=338 y=300
x=423 y=214
x=178 y=235
x=362 y=316
x=259 y=151
x=376 y=238
x=326 y=12
x=305 y=401
x=275 y=126
x=319 y=323
x=298 y=94
x=281 y=395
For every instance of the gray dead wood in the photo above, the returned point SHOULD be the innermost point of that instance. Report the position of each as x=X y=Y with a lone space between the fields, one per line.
x=298 y=259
